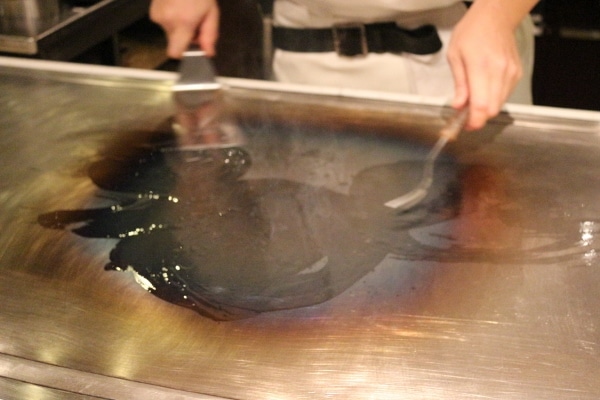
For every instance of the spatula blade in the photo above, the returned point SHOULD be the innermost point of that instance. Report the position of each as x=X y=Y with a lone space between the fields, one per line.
x=200 y=121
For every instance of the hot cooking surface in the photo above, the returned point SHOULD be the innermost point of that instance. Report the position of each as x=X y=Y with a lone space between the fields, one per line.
x=227 y=271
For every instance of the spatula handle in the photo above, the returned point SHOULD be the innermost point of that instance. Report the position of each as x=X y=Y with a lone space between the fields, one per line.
x=455 y=124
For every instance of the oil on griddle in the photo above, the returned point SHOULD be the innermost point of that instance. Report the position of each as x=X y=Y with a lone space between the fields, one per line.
x=197 y=230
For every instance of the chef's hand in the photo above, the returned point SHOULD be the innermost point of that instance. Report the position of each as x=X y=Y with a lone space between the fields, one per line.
x=485 y=62
x=187 y=21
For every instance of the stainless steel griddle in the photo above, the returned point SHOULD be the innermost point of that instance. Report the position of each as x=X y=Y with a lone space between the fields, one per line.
x=489 y=289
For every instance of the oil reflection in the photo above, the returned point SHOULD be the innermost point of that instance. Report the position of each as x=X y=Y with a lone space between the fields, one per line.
x=503 y=217
x=588 y=231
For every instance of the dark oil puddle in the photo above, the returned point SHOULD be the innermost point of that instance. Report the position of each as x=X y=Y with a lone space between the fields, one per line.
x=197 y=231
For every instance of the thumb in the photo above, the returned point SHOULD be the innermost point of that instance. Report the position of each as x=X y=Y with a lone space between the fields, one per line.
x=178 y=41
x=209 y=32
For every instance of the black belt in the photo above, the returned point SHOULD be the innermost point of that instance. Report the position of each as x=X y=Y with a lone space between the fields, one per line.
x=359 y=39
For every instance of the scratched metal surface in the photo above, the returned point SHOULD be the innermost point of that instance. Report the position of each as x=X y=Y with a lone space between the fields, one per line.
x=495 y=297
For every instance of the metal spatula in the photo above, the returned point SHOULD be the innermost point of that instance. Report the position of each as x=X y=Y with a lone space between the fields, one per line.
x=200 y=121
x=449 y=132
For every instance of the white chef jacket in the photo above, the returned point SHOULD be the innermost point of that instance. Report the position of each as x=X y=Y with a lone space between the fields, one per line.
x=428 y=75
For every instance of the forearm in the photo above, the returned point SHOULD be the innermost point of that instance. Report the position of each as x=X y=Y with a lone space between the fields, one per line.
x=509 y=13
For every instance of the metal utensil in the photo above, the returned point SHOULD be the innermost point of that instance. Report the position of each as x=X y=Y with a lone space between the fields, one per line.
x=196 y=75
x=200 y=121
x=449 y=132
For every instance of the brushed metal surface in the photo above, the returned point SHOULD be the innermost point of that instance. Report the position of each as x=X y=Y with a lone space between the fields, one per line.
x=491 y=290
x=67 y=34
x=28 y=17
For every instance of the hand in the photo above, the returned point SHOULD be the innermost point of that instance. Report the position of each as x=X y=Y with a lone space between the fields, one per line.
x=185 y=21
x=485 y=62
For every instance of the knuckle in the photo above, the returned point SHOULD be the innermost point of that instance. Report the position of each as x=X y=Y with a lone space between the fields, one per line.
x=518 y=73
x=479 y=106
x=500 y=64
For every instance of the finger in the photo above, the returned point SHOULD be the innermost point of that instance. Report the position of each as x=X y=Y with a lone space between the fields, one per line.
x=514 y=74
x=499 y=80
x=479 y=96
x=461 y=92
x=179 y=40
x=209 y=32
x=508 y=72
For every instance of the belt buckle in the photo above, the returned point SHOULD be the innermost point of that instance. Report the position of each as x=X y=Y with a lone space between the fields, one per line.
x=350 y=40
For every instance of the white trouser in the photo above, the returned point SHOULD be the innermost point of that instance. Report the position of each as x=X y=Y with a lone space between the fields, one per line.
x=427 y=75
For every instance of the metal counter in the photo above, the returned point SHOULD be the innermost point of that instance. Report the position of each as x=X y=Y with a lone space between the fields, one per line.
x=489 y=289
x=77 y=30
